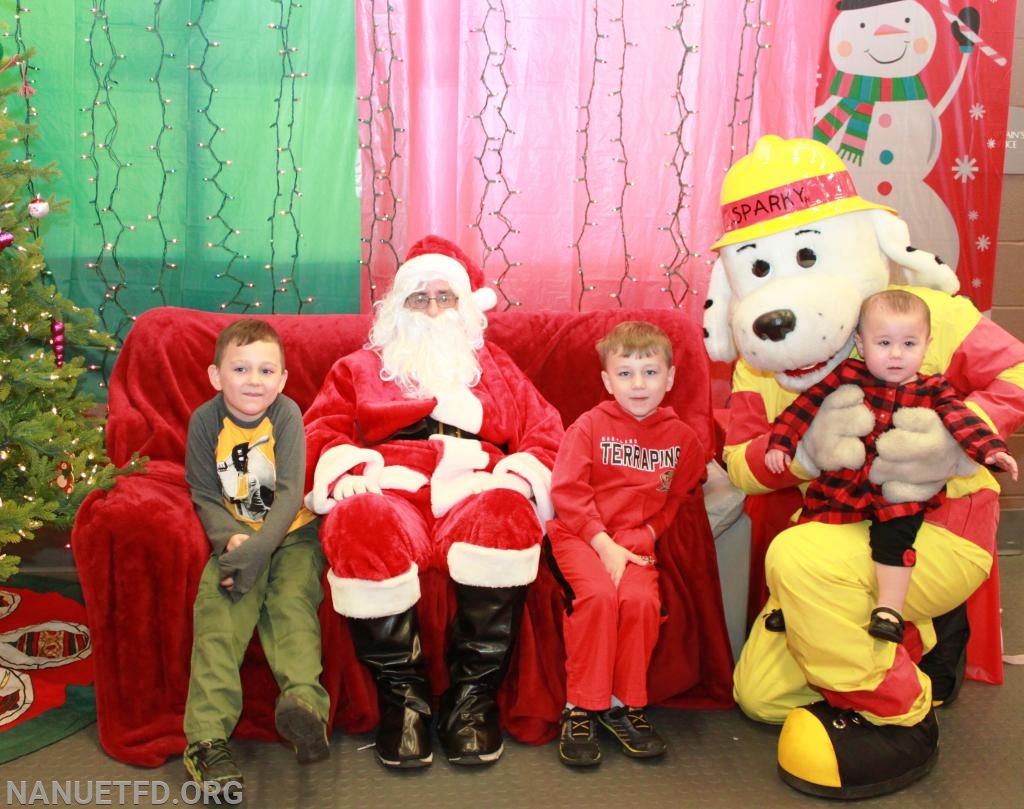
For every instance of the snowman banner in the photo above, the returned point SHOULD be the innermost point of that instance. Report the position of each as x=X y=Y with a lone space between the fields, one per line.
x=914 y=97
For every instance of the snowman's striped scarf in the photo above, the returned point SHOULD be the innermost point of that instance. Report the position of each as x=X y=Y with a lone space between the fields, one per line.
x=858 y=95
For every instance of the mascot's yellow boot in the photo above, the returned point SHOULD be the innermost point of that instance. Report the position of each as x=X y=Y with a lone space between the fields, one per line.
x=837 y=753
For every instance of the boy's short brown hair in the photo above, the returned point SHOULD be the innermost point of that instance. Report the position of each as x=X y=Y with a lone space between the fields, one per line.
x=896 y=301
x=635 y=338
x=243 y=332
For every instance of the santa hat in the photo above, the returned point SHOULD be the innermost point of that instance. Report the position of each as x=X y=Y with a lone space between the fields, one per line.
x=435 y=258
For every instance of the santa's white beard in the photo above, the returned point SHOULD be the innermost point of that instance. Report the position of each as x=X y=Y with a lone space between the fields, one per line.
x=426 y=355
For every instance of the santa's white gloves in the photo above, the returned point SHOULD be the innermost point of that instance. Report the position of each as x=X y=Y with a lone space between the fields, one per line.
x=917 y=456
x=833 y=441
x=351 y=485
x=331 y=481
x=458 y=474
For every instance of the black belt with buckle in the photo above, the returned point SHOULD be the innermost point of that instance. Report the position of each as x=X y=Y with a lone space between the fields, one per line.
x=421 y=431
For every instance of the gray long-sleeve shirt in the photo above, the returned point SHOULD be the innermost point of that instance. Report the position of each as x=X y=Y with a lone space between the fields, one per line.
x=236 y=471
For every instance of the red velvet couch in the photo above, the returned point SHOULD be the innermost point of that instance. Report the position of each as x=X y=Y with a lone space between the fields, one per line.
x=139 y=548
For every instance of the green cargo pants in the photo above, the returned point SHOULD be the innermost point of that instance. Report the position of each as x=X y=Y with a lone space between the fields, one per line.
x=283 y=607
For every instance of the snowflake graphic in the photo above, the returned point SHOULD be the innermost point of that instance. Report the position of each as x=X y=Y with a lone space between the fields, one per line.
x=991 y=143
x=965 y=168
x=976 y=283
x=973 y=215
x=983 y=243
x=977 y=111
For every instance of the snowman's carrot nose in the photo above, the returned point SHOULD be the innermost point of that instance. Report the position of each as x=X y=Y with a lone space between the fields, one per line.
x=885 y=30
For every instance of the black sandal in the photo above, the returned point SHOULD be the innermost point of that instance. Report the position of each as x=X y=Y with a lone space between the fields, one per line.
x=883 y=628
x=774 y=621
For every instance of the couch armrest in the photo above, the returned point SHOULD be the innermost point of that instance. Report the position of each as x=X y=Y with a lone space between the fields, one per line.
x=139 y=549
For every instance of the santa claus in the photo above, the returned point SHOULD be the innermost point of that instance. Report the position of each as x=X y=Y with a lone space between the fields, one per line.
x=429 y=448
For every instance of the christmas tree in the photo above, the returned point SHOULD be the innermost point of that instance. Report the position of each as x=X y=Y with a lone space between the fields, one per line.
x=51 y=432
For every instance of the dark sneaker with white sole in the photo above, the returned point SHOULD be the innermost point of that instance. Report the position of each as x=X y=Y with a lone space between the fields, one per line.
x=634 y=732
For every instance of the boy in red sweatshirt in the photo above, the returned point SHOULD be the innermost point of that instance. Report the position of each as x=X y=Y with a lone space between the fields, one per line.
x=621 y=472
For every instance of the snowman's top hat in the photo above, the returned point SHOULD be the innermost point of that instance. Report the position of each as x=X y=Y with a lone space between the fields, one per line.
x=853 y=5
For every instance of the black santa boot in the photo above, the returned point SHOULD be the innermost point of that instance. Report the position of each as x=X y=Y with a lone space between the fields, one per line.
x=390 y=648
x=483 y=634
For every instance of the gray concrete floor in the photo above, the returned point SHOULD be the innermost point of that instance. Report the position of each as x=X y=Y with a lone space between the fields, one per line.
x=716 y=759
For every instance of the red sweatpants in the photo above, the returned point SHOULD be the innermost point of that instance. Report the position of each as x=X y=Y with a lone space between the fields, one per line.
x=609 y=632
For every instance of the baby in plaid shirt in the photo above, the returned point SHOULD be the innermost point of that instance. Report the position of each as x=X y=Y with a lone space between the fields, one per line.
x=892 y=336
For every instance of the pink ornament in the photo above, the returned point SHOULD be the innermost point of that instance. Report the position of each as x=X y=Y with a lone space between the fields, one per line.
x=6 y=239
x=57 y=330
x=38 y=208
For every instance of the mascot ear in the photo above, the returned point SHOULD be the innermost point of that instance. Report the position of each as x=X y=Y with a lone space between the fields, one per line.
x=920 y=268
x=717 y=309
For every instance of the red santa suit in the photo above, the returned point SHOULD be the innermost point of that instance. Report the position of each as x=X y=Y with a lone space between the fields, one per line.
x=455 y=477
x=470 y=505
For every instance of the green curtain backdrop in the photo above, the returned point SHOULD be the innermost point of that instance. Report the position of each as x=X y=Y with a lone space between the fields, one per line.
x=208 y=151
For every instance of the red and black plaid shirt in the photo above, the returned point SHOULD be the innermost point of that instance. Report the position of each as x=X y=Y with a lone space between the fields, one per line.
x=846 y=495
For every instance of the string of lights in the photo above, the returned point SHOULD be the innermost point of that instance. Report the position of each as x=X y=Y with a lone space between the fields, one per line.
x=167 y=241
x=179 y=99
x=619 y=28
x=228 y=255
x=381 y=142
x=284 y=221
x=745 y=85
x=148 y=233
x=102 y=154
x=20 y=54
x=677 y=269
x=493 y=219
x=584 y=178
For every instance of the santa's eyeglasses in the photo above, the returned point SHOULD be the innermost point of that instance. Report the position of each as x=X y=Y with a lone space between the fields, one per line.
x=421 y=300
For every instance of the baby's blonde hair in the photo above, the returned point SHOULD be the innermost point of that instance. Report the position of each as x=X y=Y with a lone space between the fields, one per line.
x=896 y=301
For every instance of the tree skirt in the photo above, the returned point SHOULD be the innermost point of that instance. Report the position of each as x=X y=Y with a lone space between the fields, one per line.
x=46 y=676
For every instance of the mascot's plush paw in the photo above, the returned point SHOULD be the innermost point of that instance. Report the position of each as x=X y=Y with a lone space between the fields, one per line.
x=918 y=454
x=837 y=753
x=833 y=441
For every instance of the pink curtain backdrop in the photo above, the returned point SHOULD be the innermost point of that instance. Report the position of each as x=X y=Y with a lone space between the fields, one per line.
x=576 y=150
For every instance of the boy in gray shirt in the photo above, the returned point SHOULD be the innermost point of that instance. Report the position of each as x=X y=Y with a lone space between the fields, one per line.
x=245 y=466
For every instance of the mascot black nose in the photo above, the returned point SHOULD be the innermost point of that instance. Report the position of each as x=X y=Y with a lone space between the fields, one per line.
x=775 y=325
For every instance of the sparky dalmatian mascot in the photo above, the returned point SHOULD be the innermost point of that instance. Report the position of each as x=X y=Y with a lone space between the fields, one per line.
x=800 y=252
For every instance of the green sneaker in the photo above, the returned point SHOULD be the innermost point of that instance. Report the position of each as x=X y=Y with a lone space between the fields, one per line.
x=209 y=763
